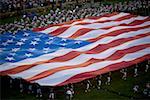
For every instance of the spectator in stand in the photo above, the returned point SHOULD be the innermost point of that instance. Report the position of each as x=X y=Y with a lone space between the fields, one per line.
x=13 y=5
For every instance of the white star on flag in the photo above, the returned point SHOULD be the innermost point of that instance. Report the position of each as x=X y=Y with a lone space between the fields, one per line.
x=15 y=49
x=40 y=35
x=37 y=39
x=1 y=50
x=78 y=42
x=19 y=43
x=12 y=54
x=24 y=39
x=49 y=42
x=63 y=44
x=46 y=49
x=51 y=38
x=26 y=34
x=10 y=41
x=33 y=42
x=10 y=58
x=28 y=54
x=64 y=40
x=13 y=36
x=5 y=43
x=31 y=49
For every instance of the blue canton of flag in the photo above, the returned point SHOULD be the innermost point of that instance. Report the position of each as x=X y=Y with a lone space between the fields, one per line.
x=28 y=44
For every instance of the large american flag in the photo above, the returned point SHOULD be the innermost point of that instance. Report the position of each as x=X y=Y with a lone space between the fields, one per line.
x=74 y=51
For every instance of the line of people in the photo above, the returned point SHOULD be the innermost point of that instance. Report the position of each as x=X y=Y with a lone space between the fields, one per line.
x=87 y=84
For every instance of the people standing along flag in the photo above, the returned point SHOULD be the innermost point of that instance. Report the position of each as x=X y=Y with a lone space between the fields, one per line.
x=73 y=51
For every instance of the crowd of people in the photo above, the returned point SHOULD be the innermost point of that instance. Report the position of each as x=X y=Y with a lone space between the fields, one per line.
x=88 y=85
x=34 y=20
x=16 y=5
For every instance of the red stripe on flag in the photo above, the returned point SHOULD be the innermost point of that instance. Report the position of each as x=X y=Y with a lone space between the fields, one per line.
x=113 y=67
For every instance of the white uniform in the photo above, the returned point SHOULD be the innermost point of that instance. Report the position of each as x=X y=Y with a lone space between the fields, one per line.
x=21 y=87
x=10 y=83
x=51 y=95
x=124 y=77
x=108 y=80
x=99 y=84
x=30 y=89
x=39 y=93
x=135 y=72
x=69 y=94
x=135 y=88
x=146 y=68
